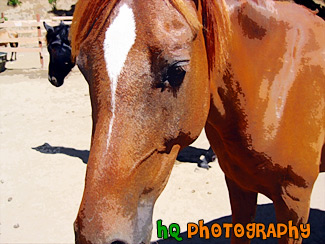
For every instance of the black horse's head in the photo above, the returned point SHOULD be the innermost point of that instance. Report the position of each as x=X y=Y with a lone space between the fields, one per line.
x=58 y=45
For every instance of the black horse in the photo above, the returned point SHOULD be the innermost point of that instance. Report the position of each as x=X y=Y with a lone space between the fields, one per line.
x=58 y=45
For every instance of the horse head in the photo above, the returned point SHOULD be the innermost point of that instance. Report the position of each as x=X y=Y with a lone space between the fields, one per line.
x=58 y=46
x=146 y=65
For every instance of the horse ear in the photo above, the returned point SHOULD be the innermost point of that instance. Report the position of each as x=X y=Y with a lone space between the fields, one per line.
x=61 y=23
x=47 y=27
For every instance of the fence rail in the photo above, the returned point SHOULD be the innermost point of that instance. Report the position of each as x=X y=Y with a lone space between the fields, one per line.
x=31 y=34
x=25 y=40
x=21 y=49
x=30 y=23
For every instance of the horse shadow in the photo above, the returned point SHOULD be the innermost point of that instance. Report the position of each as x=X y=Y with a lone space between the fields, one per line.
x=62 y=12
x=48 y=149
x=191 y=155
x=265 y=214
x=188 y=154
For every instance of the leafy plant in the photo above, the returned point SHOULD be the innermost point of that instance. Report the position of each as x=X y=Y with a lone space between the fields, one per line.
x=53 y=3
x=13 y=3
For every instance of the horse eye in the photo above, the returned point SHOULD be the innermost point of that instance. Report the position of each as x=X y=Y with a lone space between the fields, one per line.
x=176 y=73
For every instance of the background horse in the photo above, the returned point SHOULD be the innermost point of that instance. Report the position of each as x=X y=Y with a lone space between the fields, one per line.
x=159 y=71
x=58 y=46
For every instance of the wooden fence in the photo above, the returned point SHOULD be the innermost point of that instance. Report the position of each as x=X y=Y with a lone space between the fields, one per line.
x=31 y=34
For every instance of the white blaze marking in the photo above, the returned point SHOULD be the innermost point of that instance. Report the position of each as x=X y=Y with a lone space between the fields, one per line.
x=119 y=39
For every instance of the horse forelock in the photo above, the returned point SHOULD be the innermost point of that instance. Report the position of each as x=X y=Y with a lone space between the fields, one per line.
x=81 y=25
x=214 y=19
x=215 y=22
x=85 y=15
x=192 y=19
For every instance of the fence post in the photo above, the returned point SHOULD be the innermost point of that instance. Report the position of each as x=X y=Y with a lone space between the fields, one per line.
x=39 y=34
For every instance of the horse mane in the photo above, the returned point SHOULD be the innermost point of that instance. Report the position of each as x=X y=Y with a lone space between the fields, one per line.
x=215 y=22
x=191 y=19
x=217 y=33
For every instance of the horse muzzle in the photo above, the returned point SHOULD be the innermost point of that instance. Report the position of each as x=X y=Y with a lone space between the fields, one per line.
x=95 y=234
x=55 y=82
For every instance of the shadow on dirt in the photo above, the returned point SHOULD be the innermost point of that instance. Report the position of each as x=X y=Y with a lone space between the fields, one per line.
x=188 y=154
x=32 y=73
x=48 y=149
x=62 y=12
x=265 y=214
x=191 y=155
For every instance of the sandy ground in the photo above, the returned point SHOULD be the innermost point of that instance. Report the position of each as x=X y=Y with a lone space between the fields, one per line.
x=40 y=192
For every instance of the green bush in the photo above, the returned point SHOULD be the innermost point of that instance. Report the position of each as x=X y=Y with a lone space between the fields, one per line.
x=53 y=3
x=13 y=3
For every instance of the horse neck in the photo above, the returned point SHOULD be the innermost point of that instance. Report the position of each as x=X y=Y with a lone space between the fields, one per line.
x=250 y=23
x=245 y=50
x=266 y=52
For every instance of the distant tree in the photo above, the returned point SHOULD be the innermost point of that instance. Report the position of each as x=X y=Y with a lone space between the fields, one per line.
x=13 y=3
x=53 y=3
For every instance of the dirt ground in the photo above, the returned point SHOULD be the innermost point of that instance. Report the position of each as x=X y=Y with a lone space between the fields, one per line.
x=44 y=144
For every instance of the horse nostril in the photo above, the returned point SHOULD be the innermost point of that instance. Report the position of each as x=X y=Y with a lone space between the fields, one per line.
x=118 y=242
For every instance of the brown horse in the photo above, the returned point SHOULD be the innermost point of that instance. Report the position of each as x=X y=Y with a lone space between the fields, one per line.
x=251 y=72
